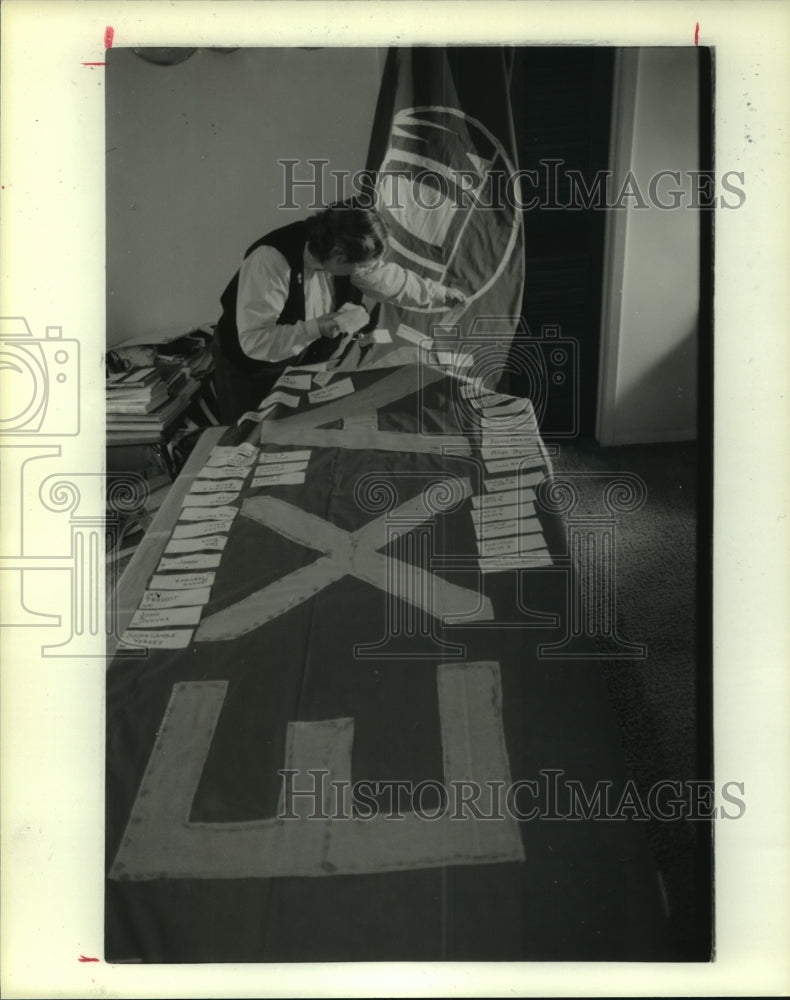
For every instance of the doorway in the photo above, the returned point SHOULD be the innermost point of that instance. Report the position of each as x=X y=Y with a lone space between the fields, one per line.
x=561 y=99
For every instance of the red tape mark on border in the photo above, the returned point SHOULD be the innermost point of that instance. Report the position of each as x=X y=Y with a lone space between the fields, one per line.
x=109 y=35
x=696 y=33
x=85 y=958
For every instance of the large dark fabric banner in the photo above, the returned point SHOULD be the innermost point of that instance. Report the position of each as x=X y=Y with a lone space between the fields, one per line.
x=340 y=738
x=443 y=154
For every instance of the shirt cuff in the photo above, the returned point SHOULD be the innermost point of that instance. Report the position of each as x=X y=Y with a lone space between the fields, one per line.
x=311 y=329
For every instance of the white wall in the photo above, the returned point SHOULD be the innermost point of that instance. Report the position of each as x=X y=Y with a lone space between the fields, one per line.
x=651 y=293
x=192 y=172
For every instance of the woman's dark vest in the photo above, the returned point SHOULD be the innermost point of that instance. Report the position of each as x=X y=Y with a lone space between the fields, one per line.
x=290 y=241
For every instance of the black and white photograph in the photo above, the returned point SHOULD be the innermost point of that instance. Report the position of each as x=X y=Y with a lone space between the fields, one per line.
x=426 y=606
x=396 y=580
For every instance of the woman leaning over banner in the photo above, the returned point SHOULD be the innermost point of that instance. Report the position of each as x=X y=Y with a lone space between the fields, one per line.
x=300 y=287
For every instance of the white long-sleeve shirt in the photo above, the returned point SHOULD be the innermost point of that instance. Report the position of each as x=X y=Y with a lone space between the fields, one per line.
x=264 y=280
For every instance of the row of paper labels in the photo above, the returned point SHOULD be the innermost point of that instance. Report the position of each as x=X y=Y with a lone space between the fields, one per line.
x=508 y=532
x=300 y=381
x=295 y=380
x=172 y=604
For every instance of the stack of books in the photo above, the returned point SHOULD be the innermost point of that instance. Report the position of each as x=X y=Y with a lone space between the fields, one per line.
x=142 y=402
x=136 y=391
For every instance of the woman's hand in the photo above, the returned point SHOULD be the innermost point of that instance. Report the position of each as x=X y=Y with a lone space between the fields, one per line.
x=328 y=325
x=347 y=319
x=453 y=296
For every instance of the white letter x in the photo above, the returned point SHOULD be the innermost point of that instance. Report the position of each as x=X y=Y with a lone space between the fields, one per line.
x=346 y=553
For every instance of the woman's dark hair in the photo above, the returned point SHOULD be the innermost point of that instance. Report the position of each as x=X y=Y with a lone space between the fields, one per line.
x=358 y=233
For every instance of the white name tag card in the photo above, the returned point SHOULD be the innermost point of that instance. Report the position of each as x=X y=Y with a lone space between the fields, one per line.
x=514 y=482
x=527 y=560
x=284 y=456
x=509 y=451
x=498 y=529
x=232 y=455
x=342 y=388
x=208 y=499
x=213 y=514
x=281 y=397
x=157 y=617
x=198 y=560
x=244 y=454
x=510 y=546
x=511 y=464
x=281 y=479
x=504 y=498
x=196 y=597
x=212 y=543
x=527 y=442
x=253 y=415
x=201 y=528
x=221 y=472
x=182 y=581
x=453 y=360
x=277 y=467
x=375 y=337
x=414 y=336
x=216 y=485
x=174 y=639
x=294 y=381
x=510 y=512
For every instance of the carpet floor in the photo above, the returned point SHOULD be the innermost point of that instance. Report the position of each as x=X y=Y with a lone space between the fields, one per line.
x=661 y=700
